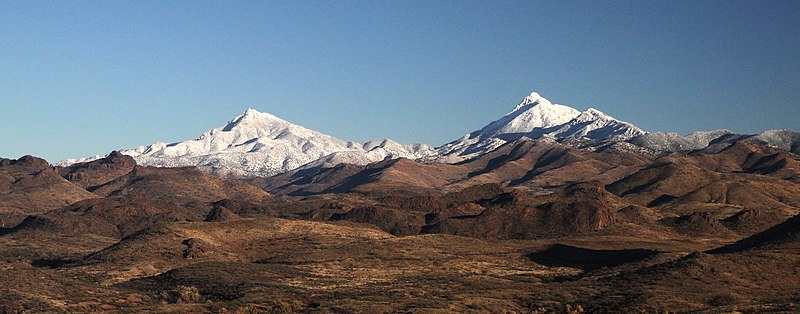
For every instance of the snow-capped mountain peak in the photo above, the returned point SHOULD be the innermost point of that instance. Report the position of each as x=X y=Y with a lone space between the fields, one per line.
x=533 y=112
x=533 y=99
x=535 y=117
x=253 y=120
x=252 y=116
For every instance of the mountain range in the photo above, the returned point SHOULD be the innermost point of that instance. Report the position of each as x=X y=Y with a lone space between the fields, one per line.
x=545 y=210
x=258 y=144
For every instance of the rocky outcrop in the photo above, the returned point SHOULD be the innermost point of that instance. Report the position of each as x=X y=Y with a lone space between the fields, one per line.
x=98 y=172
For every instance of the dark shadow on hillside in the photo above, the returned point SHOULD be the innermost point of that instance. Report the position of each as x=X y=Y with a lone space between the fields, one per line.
x=52 y=263
x=785 y=234
x=560 y=255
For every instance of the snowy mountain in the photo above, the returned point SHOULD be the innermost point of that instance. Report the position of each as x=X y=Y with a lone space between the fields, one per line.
x=260 y=144
x=781 y=138
x=534 y=112
x=674 y=142
x=714 y=141
x=591 y=124
x=537 y=117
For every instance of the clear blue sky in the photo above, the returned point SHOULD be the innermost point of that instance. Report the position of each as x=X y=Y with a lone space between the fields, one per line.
x=82 y=78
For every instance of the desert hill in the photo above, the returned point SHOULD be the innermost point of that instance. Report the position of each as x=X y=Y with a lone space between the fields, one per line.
x=30 y=185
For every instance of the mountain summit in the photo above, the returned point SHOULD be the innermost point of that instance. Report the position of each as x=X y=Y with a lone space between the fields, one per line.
x=535 y=117
x=533 y=112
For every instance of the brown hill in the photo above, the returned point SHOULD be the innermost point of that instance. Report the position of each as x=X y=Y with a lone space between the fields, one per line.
x=113 y=217
x=751 y=158
x=746 y=187
x=30 y=185
x=165 y=246
x=709 y=283
x=179 y=185
x=730 y=194
x=579 y=209
x=675 y=176
x=382 y=175
x=400 y=212
x=307 y=181
x=98 y=172
x=760 y=273
x=662 y=180
x=540 y=163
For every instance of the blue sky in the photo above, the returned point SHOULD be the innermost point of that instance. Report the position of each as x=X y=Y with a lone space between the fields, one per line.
x=82 y=78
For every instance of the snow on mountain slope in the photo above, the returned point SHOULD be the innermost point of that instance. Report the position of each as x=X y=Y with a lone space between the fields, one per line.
x=533 y=112
x=781 y=138
x=374 y=151
x=537 y=117
x=592 y=124
x=72 y=161
x=260 y=144
x=674 y=142
x=712 y=141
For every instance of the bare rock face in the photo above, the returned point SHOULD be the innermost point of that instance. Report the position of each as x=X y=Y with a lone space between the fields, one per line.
x=696 y=224
x=30 y=161
x=184 y=295
x=98 y=172
x=221 y=213
x=595 y=208
x=195 y=248
x=697 y=219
